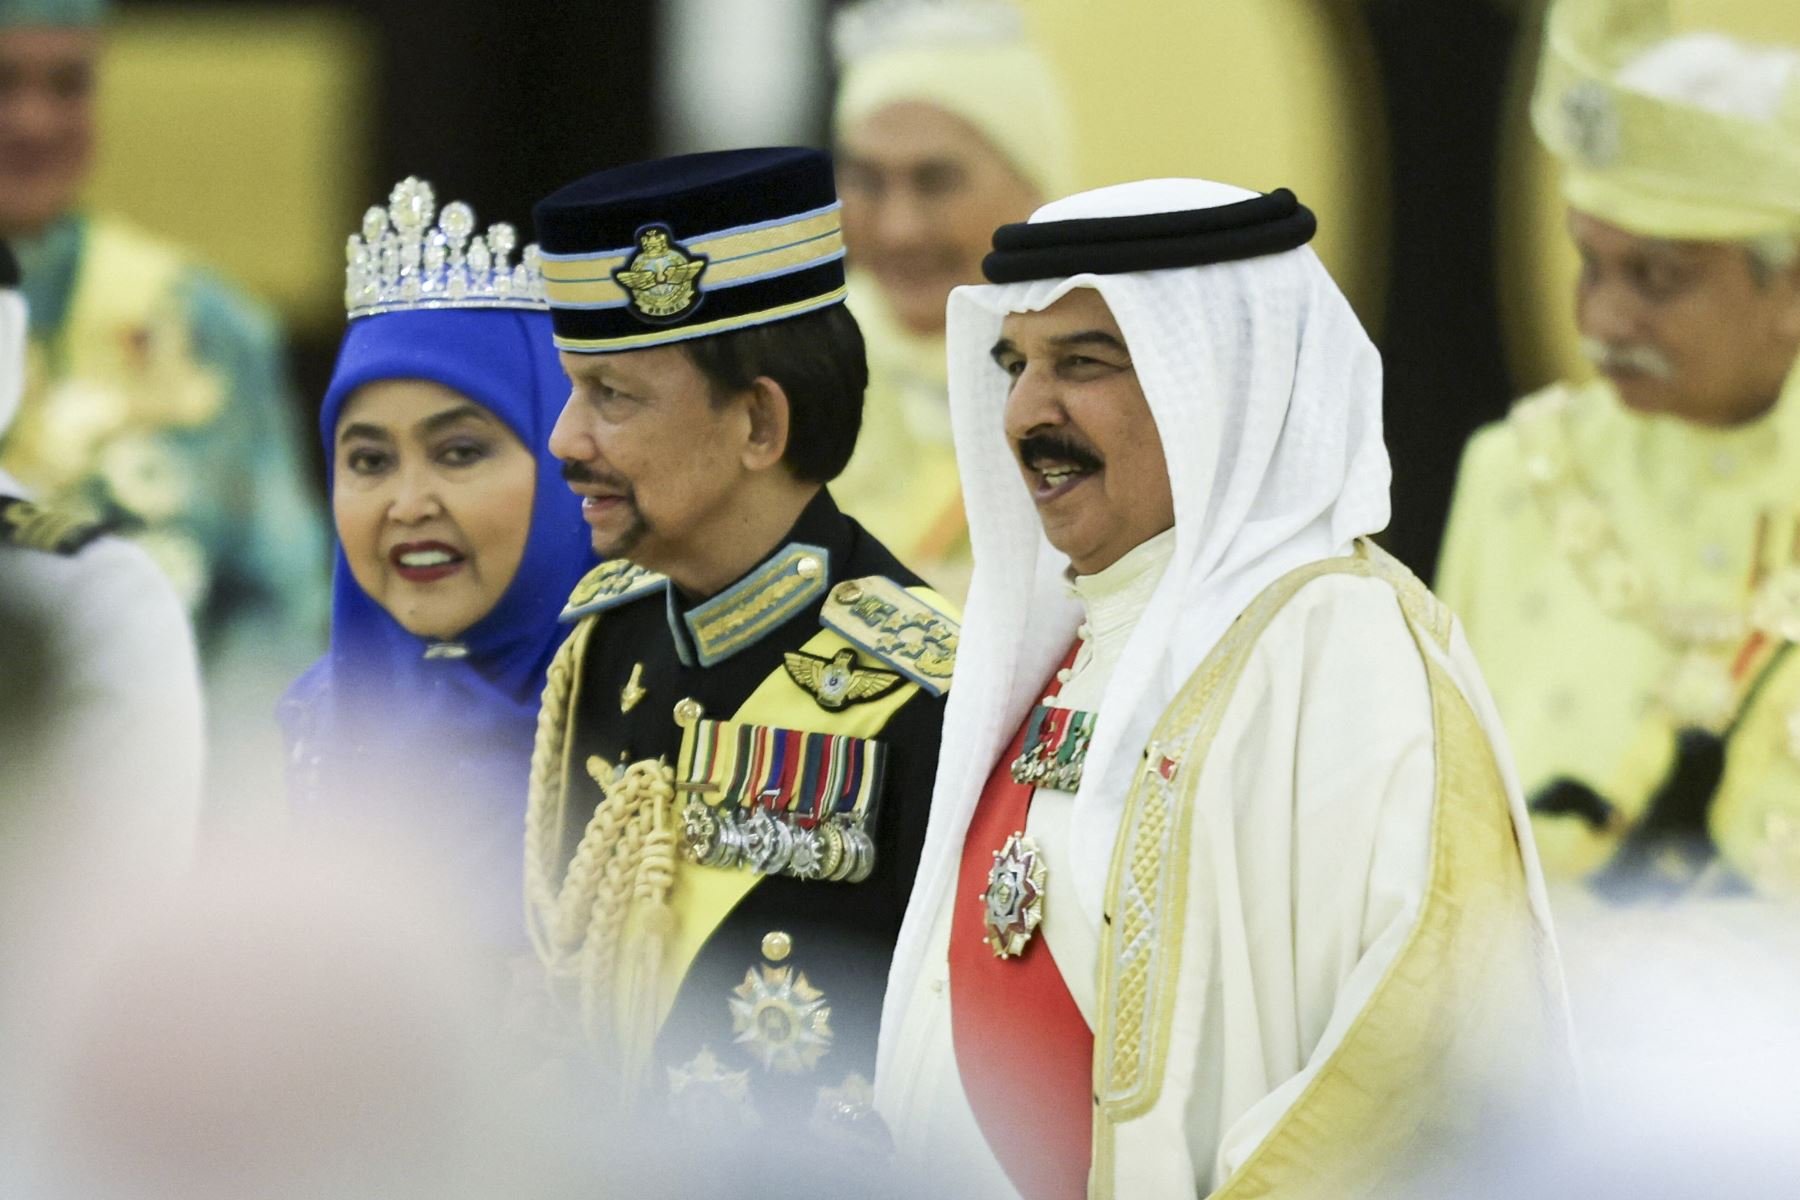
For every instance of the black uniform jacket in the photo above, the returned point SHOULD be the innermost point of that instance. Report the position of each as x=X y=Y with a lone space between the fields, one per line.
x=840 y=935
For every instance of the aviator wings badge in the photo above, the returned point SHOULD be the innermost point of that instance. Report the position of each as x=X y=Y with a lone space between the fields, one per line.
x=837 y=681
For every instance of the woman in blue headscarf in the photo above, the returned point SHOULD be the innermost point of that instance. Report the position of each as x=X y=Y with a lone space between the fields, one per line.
x=458 y=544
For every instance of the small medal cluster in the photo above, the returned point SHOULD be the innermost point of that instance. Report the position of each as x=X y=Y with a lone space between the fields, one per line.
x=1056 y=747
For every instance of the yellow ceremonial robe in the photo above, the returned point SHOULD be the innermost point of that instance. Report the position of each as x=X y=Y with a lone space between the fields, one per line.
x=1603 y=564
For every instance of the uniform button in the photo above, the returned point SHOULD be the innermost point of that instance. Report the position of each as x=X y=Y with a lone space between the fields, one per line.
x=688 y=711
x=1062 y=676
x=809 y=567
x=777 y=945
x=847 y=593
x=1084 y=631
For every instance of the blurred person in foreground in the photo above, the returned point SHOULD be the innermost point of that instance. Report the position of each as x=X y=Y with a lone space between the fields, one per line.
x=155 y=391
x=1689 y=1093
x=457 y=545
x=948 y=124
x=739 y=736
x=105 y=753
x=1626 y=551
x=1228 y=887
x=288 y=1025
x=101 y=743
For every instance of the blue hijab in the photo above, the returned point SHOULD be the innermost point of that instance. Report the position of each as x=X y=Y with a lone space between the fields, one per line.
x=375 y=727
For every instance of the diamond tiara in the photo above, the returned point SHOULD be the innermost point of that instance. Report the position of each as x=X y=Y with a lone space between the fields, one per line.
x=400 y=261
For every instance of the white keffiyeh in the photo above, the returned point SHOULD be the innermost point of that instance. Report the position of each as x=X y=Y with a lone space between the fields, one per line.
x=1266 y=392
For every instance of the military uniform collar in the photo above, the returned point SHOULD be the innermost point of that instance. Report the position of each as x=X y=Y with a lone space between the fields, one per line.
x=791 y=582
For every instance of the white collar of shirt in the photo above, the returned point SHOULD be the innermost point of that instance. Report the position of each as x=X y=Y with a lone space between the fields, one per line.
x=1112 y=601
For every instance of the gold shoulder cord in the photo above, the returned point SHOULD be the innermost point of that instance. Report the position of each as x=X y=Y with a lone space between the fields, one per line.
x=547 y=793
x=625 y=861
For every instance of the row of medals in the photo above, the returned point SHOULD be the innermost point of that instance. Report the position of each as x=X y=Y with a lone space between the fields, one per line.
x=836 y=850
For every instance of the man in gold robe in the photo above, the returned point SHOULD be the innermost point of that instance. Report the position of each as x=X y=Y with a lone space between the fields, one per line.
x=1623 y=551
x=156 y=392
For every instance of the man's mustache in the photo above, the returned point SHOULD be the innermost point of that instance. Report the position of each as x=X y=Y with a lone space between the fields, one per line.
x=1057 y=448
x=1612 y=356
x=577 y=472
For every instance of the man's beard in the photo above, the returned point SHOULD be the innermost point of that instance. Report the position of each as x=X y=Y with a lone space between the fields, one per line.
x=622 y=544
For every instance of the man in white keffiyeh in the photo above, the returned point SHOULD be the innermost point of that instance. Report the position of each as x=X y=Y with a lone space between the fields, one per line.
x=1240 y=899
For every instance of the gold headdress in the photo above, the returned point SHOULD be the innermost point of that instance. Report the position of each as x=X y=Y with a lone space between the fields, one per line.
x=1655 y=165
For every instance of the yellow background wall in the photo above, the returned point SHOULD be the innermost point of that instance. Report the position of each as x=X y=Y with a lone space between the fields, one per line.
x=242 y=133
x=1260 y=93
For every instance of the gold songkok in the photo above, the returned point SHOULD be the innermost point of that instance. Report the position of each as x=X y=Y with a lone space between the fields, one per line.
x=1650 y=163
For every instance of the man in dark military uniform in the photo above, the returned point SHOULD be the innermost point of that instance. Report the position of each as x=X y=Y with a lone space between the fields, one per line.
x=740 y=736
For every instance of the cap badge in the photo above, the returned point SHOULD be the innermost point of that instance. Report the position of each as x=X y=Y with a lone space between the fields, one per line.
x=662 y=277
x=1591 y=122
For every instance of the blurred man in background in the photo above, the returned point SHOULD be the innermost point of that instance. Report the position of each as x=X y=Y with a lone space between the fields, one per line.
x=948 y=125
x=1624 y=552
x=100 y=715
x=100 y=724
x=154 y=391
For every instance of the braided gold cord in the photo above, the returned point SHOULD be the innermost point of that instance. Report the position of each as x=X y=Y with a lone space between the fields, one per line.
x=650 y=897
x=546 y=795
x=576 y=899
x=612 y=896
x=634 y=855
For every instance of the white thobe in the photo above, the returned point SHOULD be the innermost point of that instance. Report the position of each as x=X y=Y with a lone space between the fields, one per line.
x=1317 y=800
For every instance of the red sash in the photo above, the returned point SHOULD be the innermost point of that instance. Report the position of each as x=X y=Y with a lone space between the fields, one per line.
x=1024 y=1050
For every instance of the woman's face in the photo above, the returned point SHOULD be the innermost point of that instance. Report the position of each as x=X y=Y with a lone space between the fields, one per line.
x=432 y=496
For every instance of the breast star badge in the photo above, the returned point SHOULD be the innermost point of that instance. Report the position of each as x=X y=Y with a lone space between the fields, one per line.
x=781 y=1019
x=1013 y=902
x=837 y=682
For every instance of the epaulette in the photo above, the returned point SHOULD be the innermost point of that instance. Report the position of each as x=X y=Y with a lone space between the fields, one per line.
x=36 y=527
x=906 y=629
x=609 y=585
